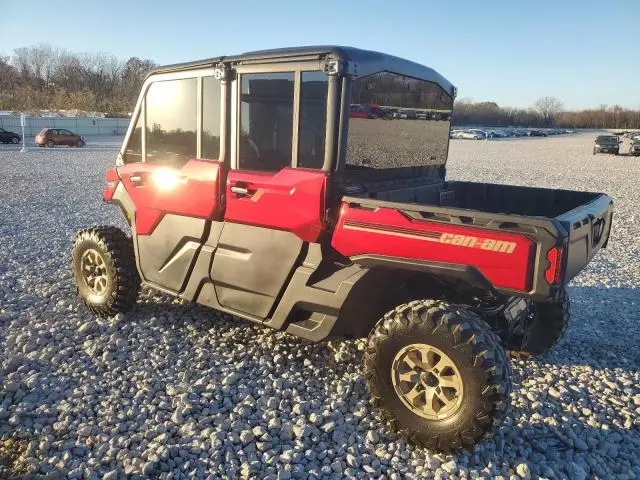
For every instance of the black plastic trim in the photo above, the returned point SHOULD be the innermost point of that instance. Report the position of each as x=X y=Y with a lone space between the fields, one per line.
x=467 y=273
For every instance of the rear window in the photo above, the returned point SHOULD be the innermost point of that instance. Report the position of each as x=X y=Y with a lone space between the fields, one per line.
x=385 y=141
x=607 y=139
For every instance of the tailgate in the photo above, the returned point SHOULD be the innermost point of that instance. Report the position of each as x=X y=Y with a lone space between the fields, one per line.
x=588 y=226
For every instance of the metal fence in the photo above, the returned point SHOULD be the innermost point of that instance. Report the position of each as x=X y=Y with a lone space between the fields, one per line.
x=78 y=125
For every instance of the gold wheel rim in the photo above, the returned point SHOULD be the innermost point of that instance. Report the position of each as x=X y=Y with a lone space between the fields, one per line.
x=94 y=271
x=427 y=381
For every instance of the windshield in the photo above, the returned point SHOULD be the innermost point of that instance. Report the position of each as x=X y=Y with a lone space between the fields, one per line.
x=606 y=139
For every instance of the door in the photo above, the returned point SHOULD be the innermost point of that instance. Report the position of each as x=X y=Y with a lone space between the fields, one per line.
x=274 y=204
x=173 y=175
x=64 y=137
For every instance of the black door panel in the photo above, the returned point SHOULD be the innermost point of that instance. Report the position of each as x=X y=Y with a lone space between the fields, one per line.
x=166 y=255
x=251 y=265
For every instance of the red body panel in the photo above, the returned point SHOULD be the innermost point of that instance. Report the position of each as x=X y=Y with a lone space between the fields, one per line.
x=291 y=200
x=505 y=259
x=193 y=191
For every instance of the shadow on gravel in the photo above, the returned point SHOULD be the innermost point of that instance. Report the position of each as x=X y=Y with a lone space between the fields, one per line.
x=601 y=332
x=609 y=453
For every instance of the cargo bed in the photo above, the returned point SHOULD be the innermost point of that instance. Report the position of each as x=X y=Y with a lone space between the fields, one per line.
x=541 y=238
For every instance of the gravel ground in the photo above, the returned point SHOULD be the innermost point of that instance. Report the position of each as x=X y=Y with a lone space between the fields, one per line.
x=172 y=390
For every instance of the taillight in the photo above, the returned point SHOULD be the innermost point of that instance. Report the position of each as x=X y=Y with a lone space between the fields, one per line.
x=552 y=273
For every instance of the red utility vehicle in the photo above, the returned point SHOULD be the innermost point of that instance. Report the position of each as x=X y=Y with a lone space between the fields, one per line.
x=250 y=187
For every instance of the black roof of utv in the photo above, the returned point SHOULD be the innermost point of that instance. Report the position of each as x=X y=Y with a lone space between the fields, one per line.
x=366 y=62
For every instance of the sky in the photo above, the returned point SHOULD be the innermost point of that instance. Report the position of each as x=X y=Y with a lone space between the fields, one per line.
x=584 y=52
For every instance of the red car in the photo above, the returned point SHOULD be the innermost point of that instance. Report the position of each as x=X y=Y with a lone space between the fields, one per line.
x=51 y=137
x=358 y=111
x=249 y=187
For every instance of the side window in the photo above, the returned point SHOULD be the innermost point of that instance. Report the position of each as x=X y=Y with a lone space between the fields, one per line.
x=133 y=152
x=211 y=93
x=314 y=88
x=266 y=121
x=171 y=122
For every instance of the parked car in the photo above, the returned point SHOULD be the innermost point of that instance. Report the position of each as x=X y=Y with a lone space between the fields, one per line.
x=356 y=242
x=382 y=112
x=472 y=135
x=607 y=144
x=9 y=137
x=406 y=114
x=634 y=148
x=51 y=137
x=537 y=133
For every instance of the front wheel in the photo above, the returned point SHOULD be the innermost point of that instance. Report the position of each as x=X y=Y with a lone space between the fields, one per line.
x=104 y=269
x=79 y=143
x=15 y=140
x=438 y=373
x=51 y=143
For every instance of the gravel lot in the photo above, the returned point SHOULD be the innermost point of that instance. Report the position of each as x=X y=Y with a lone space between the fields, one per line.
x=172 y=390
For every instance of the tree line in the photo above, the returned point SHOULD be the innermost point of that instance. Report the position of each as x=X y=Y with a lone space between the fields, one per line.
x=546 y=112
x=45 y=77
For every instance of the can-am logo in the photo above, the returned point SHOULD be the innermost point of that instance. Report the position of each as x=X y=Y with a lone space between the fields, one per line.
x=481 y=243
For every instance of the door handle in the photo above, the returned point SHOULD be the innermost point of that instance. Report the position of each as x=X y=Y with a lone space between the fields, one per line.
x=240 y=190
x=136 y=180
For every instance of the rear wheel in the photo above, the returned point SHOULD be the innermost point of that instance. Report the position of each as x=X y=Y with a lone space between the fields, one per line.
x=15 y=140
x=438 y=373
x=104 y=269
x=549 y=322
x=51 y=143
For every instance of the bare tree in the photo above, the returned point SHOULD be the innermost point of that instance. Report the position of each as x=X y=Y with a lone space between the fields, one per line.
x=37 y=65
x=69 y=74
x=133 y=74
x=548 y=108
x=9 y=76
x=101 y=74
